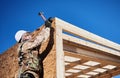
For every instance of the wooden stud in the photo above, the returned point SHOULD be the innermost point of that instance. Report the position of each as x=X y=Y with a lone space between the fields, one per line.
x=60 y=67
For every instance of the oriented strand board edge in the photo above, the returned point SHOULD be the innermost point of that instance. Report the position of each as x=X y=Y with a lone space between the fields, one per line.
x=86 y=35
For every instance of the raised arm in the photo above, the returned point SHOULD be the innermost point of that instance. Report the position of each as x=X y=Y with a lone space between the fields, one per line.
x=41 y=37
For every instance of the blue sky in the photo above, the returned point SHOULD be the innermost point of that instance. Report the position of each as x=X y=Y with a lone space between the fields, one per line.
x=101 y=17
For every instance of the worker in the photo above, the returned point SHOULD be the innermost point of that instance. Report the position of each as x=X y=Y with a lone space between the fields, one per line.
x=28 y=60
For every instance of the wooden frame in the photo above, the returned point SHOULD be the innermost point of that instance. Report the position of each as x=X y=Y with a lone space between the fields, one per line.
x=59 y=52
x=86 y=41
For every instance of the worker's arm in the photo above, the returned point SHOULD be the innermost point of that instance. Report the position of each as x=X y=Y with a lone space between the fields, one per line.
x=41 y=37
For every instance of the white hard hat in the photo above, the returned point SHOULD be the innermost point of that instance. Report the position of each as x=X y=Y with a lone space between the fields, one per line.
x=19 y=34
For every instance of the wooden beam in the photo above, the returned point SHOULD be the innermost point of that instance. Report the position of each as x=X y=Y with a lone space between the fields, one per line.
x=89 y=44
x=72 y=64
x=86 y=35
x=110 y=74
x=116 y=72
x=60 y=69
x=68 y=53
x=76 y=48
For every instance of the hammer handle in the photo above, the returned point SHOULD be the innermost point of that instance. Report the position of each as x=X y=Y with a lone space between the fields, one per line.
x=43 y=17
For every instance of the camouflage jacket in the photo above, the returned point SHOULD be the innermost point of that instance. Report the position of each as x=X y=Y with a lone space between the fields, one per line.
x=29 y=59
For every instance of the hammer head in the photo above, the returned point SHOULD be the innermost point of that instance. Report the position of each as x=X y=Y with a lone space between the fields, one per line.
x=40 y=13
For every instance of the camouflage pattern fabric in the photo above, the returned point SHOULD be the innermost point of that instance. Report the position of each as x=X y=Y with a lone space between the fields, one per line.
x=27 y=58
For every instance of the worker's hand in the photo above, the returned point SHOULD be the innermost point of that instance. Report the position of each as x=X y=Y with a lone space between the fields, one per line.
x=48 y=22
x=50 y=19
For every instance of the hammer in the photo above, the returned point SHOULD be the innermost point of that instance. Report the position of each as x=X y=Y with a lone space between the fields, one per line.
x=43 y=17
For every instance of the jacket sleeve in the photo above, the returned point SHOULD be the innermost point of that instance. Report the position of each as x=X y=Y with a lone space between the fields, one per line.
x=41 y=37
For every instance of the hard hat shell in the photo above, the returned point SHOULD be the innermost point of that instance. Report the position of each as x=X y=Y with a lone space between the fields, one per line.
x=19 y=34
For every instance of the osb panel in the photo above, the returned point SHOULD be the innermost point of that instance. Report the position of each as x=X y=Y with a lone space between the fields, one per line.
x=49 y=55
x=9 y=63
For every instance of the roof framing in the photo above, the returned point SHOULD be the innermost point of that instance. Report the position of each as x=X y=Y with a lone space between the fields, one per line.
x=101 y=56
